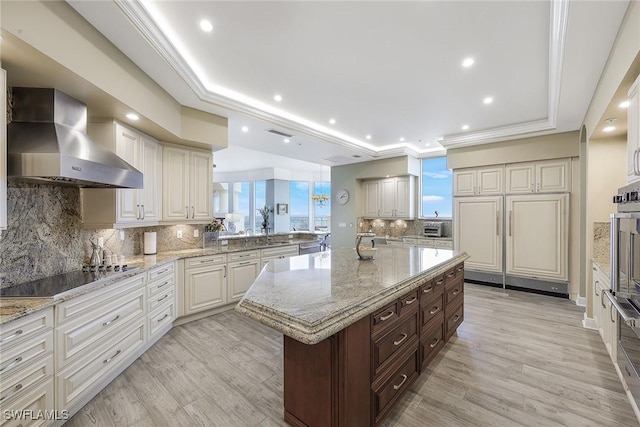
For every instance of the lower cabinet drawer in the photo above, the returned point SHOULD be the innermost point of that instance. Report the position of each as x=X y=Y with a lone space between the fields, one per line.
x=454 y=317
x=384 y=347
x=159 y=287
x=408 y=303
x=38 y=401
x=453 y=290
x=14 y=358
x=431 y=340
x=161 y=317
x=26 y=379
x=79 y=377
x=384 y=317
x=24 y=329
x=387 y=392
x=160 y=299
x=430 y=309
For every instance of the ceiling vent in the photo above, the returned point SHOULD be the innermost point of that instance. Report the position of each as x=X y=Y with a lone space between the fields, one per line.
x=277 y=132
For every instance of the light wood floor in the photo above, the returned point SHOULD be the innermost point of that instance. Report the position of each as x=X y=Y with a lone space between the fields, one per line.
x=518 y=359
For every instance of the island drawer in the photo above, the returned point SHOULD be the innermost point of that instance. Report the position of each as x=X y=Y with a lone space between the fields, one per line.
x=453 y=290
x=431 y=308
x=432 y=340
x=384 y=317
x=454 y=317
x=432 y=287
x=388 y=390
x=408 y=303
x=386 y=346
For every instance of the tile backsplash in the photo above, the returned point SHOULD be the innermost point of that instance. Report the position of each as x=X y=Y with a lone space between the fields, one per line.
x=399 y=227
x=45 y=237
x=601 y=240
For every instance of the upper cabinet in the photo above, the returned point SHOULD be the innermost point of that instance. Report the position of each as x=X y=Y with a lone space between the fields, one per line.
x=389 y=198
x=107 y=208
x=478 y=181
x=633 y=133
x=3 y=150
x=188 y=177
x=547 y=176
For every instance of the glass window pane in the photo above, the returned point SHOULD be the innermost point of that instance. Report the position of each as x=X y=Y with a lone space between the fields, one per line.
x=261 y=200
x=322 y=213
x=299 y=205
x=437 y=188
x=241 y=206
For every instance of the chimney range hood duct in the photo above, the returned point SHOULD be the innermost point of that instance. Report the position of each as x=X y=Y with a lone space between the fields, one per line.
x=47 y=143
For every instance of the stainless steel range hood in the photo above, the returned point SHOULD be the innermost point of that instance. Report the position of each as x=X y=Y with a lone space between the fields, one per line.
x=47 y=143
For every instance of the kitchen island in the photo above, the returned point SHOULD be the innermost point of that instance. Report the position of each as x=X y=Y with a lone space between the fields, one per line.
x=357 y=333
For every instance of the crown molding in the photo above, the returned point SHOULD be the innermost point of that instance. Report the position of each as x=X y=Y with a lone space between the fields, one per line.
x=141 y=18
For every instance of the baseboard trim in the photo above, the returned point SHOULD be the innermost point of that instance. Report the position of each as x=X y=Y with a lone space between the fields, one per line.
x=589 y=323
x=581 y=301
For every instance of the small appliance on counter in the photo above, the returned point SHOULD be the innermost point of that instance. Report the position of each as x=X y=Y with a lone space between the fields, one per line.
x=432 y=229
x=625 y=283
x=150 y=243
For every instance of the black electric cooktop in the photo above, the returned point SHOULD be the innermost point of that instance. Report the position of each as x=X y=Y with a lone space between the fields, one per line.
x=61 y=284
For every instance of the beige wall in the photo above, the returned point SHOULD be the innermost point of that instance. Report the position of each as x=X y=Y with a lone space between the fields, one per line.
x=555 y=146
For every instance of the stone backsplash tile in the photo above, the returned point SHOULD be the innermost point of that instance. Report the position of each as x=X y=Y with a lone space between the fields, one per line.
x=399 y=228
x=601 y=240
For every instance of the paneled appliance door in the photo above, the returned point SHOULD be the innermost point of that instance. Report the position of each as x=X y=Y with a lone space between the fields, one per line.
x=625 y=255
x=537 y=237
x=478 y=231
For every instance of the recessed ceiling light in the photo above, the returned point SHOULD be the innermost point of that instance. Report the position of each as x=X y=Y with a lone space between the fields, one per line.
x=427 y=144
x=332 y=121
x=608 y=129
x=245 y=129
x=401 y=139
x=133 y=116
x=465 y=127
x=368 y=136
x=286 y=140
x=488 y=100
x=206 y=26
x=624 y=104
x=468 y=62
x=277 y=98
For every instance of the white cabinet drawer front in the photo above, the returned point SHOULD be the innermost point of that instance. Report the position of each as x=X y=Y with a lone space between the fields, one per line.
x=77 y=378
x=25 y=328
x=80 y=335
x=448 y=244
x=161 y=271
x=38 y=401
x=238 y=256
x=26 y=379
x=204 y=261
x=160 y=287
x=93 y=303
x=281 y=251
x=161 y=317
x=160 y=299
x=14 y=358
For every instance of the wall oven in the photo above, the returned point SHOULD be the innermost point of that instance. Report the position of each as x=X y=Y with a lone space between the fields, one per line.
x=625 y=283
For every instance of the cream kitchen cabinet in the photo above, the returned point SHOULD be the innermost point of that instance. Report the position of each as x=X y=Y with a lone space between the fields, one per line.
x=205 y=283
x=547 y=176
x=604 y=313
x=633 y=133
x=389 y=198
x=243 y=268
x=478 y=231
x=537 y=236
x=161 y=300
x=105 y=208
x=428 y=243
x=478 y=181
x=187 y=191
x=280 y=252
x=3 y=150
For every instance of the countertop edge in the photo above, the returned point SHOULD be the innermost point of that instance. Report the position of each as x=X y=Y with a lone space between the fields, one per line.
x=311 y=334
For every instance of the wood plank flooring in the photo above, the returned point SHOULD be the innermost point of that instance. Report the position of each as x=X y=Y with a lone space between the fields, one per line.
x=518 y=359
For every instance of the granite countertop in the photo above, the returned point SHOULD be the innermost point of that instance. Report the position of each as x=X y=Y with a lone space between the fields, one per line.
x=311 y=297
x=12 y=308
x=429 y=238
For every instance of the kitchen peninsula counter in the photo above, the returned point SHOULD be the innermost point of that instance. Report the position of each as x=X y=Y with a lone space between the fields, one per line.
x=357 y=333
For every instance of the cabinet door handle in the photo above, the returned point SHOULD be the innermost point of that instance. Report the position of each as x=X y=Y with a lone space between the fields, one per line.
x=427 y=290
x=404 y=378
x=137 y=211
x=611 y=307
x=602 y=300
x=142 y=210
x=12 y=336
x=163 y=298
x=111 y=321
x=451 y=274
x=163 y=285
x=401 y=340
x=456 y=292
x=387 y=316
x=596 y=288
x=12 y=364
x=187 y=208
x=434 y=310
x=435 y=343
x=497 y=223
x=411 y=301
x=193 y=212
x=162 y=318
x=510 y=220
x=12 y=392
x=244 y=263
x=225 y=271
x=457 y=316
x=111 y=358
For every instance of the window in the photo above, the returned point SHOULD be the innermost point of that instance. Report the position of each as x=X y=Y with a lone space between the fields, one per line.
x=260 y=201
x=241 y=205
x=322 y=214
x=436 y=188
x=299 y=205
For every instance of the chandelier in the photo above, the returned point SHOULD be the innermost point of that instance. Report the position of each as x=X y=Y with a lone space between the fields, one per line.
x=320 y=199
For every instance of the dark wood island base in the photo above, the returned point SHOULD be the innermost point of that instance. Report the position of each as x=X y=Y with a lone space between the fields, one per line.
x=356 y=376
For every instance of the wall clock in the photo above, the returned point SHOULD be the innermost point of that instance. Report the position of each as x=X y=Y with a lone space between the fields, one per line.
x=342 y=197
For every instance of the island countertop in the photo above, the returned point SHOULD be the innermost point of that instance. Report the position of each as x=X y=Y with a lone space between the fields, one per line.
x=311 y=297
